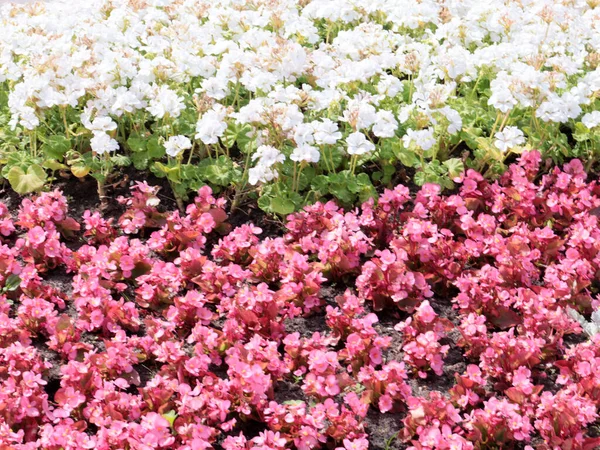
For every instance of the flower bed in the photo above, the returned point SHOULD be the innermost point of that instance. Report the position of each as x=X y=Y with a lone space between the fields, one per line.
x=442 y=315
x=288 y=102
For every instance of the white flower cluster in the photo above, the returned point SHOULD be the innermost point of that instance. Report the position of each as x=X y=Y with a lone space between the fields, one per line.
x=309 y=82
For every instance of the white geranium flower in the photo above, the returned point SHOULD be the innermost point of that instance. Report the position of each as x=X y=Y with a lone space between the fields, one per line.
x=385 y=125
x=268 y=155
x=166 y=101
x=360 y=114
x=326 y=132
x=423 y=139
x=103 y=124
x=175 y=145
x=358 y=144
x=508 y=138
x=389 y=86
x=215 y=88
x=304 y=134
x=306 y=153
x=454 y=118
x=261 y=174
x=212 y=125
x=102 y=143
x=591 y=120
x=263 y=171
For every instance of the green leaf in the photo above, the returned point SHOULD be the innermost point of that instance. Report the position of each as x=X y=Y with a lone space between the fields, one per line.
x=293 y=402
x=170 y=416
x=407 y=157
x=12 y=283
x=388 y=172
x=582 y=133
x=80 y=170
x=155 y=149
x=455 y=167
x=320 y=184
x=306 y=176
x=420 y=178
x=53 y=165
x=120 y=160
x=264 y=203
x=236 y=133
x=171 y=172
x=282 y=206
x=276 y=198
x=140 y=160
x=56 y=147
x=136 y=143
x=25 y=182
x=220 y=172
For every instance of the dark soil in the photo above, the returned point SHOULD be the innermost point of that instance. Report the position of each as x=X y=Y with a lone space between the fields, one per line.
x=383 y=430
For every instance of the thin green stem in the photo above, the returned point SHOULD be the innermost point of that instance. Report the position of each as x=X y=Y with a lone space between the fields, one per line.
x=238 y=191
x=63 y=111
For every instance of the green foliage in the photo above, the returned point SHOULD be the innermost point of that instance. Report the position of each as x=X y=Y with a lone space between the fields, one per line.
x=24 y=181
x=30 y=160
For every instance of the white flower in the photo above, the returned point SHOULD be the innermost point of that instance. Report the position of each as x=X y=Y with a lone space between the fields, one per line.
x=303 y=134
x=502 y=98
x=389 y=86
x=26 y=116
x=360 y=114
x=166 y=101
x=175 y=145
x=422 y=138
x=306 y=153
x=211 y=126
x=508 y=138
x=102 y=124
x=102 y=143
x=358 y=144
x=385 y=125
x=261 y=173
x=125 y=101
x=215 y=88
x=591 y=120
x=326 y=132
x=268 y=155
x=454 y=118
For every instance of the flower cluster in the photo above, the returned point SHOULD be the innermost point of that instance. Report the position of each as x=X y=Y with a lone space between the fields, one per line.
x=176 y=331
x=301 y=93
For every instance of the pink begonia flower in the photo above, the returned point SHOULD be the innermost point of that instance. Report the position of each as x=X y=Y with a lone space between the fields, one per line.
x=36 y=235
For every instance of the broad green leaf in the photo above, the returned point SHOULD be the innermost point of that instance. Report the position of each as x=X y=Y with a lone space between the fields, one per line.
x=236 y=133
x=320 y=184
x=407 y=157
x=25 y=182
x=420 y=178
x=53 y=165
x=12 y=283
x=155 y=149
x=56 y=147
x=120 y=160
x=306 y=176
x=282 y=206
x=220 y=172
x=136 y=143
x=582 y=133
x=455 y=167
x=172 y=173
x=80 y=171
x=140 y=160
x=170 y=416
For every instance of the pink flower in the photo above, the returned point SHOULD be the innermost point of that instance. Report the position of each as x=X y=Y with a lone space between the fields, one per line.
x=36 y=236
